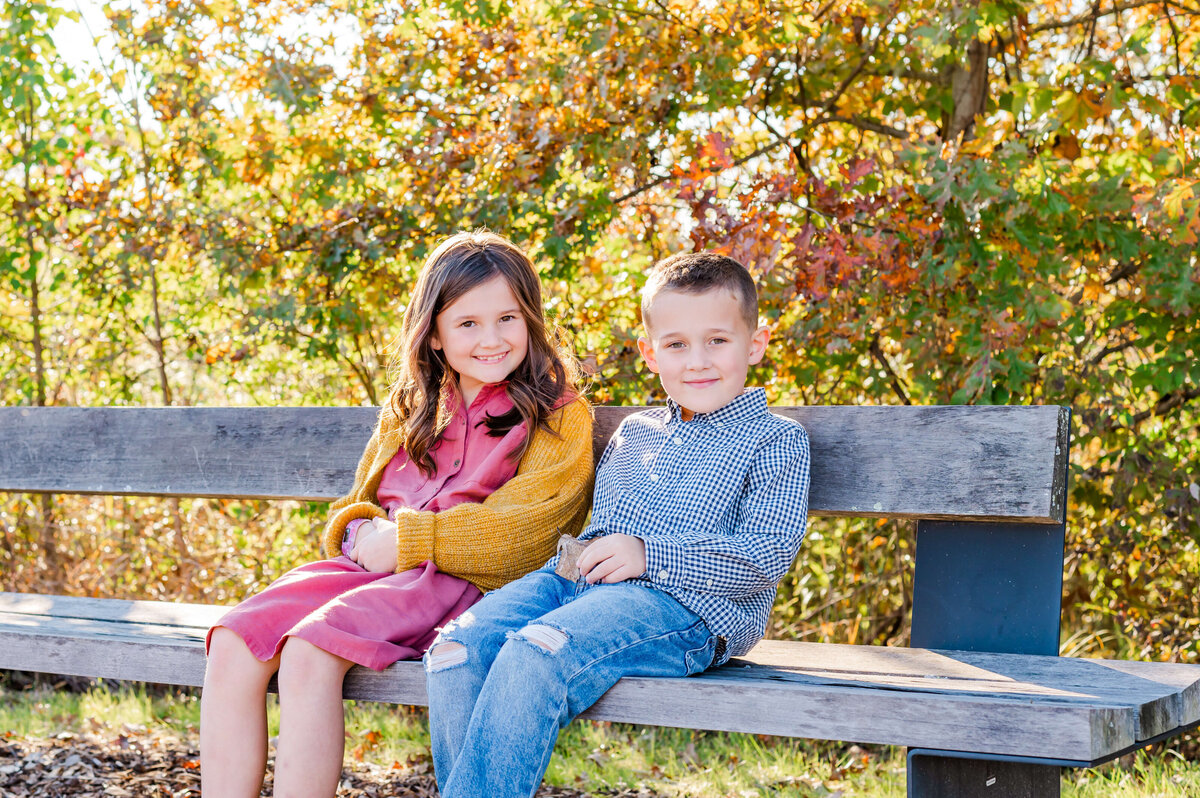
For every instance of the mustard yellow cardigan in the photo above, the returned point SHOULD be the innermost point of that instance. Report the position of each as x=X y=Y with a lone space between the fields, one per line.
x=512 y=532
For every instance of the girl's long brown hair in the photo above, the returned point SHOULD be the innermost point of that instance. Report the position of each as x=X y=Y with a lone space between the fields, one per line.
x=539 y=383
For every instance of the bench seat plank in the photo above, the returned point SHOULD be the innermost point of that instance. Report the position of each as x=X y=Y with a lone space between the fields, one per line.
x=894 y=462
x=166 y=613
x=1051 y=707
x=1168 y=692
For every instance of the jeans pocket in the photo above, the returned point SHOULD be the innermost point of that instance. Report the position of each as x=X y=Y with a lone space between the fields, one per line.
x=699 y=659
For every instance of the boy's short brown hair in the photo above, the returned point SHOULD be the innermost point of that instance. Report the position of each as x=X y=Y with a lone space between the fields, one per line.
x=699 y=272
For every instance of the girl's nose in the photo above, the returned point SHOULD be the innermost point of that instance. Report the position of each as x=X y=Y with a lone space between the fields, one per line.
x=491 y=336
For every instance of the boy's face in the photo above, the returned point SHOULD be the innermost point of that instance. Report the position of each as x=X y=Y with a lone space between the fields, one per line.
x=700 y=347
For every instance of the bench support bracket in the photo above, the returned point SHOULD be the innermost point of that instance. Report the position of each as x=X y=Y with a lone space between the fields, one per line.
x=986 y=587
x=934 y=774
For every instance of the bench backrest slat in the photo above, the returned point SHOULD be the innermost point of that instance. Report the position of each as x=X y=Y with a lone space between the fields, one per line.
x=965 y=463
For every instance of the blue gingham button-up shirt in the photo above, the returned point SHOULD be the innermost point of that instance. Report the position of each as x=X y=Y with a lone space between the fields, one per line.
x=721 y=501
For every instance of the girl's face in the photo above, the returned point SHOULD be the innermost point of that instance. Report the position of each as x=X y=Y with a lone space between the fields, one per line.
x=483 y=336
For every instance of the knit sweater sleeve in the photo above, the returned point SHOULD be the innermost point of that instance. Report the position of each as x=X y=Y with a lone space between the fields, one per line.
x=359 y=502
x=515 y=529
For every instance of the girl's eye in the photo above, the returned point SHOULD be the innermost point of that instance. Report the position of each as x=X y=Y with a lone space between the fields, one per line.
x=508 y=317
x=467 y=324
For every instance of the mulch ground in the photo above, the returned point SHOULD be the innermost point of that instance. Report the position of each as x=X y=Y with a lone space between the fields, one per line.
x=160 y=766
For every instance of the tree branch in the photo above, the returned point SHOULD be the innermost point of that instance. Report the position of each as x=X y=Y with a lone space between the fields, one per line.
x=1166 y=404
x=1092 y=16
x=845 y=84
x=1174 y=36
x=1112 y=349
x=881 y=357
x=664 y=178
x=867 y=124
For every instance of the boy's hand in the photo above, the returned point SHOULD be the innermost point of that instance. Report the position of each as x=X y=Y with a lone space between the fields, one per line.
x=375 y=546
x=613 y=558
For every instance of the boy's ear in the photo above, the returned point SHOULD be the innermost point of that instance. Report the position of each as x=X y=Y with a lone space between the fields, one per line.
x=647 y=350
x=758 y=344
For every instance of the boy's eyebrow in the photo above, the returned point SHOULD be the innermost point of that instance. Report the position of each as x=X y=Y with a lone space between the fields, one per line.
x=709 y=331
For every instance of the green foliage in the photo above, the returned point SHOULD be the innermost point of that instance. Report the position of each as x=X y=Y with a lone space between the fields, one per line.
x=942 y=203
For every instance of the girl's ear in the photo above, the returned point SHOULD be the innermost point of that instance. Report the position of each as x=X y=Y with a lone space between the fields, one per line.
x=434 y=342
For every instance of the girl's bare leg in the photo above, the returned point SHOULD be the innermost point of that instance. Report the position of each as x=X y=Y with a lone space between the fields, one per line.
x=233 y=718
x=312 y=721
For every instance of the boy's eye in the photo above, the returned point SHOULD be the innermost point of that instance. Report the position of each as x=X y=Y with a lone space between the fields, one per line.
x=675 y=345
x=720 y=340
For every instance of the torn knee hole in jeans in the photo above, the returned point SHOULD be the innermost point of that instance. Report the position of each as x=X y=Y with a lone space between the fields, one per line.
x=445 y=655
x=544 y=637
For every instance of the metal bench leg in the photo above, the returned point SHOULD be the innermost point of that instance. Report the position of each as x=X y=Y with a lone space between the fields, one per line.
x=934 y=776
x=986 y=587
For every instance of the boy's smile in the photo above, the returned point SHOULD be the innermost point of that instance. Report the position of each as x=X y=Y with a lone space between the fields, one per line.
x=701 y=347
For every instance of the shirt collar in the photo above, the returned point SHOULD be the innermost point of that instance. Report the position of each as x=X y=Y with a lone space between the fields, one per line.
x=486 y=398
x=750 y=404
x=488 y=392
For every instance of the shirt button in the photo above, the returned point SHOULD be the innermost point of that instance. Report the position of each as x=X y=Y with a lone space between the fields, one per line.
x=677 y=440
x=654 y=477
x=663 y=574
x=456 y=462
x=708 y=583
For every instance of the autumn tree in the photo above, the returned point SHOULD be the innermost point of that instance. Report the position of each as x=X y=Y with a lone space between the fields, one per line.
x=984 y=202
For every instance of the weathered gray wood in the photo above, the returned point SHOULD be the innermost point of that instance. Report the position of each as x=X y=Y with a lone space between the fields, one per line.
x=935 y=720
x=1162 y=694
x=161 y=613
x=717 y=701
x=1177 y=674
x=968 y=463
x=1052 y=707
x=102 y=649
x=230 y=452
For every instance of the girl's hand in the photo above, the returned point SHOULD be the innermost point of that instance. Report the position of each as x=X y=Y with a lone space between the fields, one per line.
x=613 y=558
x=375 y=546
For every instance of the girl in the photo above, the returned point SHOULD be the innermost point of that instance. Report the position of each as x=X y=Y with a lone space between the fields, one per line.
x=481 y=458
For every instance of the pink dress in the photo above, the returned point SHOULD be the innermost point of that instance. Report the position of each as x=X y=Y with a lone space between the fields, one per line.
x=374 y=619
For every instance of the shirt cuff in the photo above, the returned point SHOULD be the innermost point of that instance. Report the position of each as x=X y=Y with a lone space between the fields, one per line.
x=351 y=533
x=664 y=563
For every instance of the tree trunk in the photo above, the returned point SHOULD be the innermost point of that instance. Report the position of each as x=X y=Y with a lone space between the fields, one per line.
x=49 y=534
x=969 y=91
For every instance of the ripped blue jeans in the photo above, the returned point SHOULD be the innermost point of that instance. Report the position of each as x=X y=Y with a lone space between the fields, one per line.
x=517 y=667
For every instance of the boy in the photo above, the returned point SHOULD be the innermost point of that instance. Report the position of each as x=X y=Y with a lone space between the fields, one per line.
x=699 y=510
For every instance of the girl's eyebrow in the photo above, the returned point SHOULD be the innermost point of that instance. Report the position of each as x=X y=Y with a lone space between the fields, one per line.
x=513 y=311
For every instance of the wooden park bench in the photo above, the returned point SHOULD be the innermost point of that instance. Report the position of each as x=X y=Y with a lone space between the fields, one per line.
x=981 y=699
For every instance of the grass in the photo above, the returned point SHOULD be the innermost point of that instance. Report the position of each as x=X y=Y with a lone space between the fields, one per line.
x=593 y=756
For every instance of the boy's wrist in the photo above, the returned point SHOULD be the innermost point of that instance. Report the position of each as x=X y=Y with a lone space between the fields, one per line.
x=661 y=566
